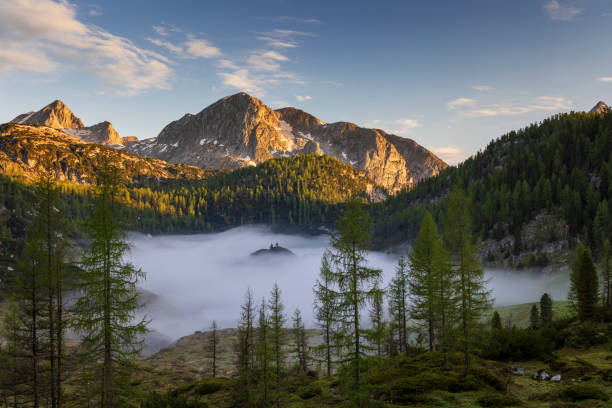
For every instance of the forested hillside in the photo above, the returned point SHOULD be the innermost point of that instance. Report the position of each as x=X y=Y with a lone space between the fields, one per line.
x=559 y=170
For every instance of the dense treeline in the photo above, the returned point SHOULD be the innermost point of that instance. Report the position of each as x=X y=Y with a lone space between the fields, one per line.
x=562 y=166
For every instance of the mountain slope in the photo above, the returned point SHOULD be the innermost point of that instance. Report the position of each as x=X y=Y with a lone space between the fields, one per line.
x=24 y=150
x=57 y=115
x=601 y=107
x=534 y=191
x=240 y=130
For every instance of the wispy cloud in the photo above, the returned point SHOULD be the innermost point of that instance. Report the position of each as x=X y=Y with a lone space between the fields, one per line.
x=304 y=20
x=542 y=103
x=283 y=38
x=46 y=35
x=401 y=126
x=302 y=98
x=191 y=48
x=482 y=87
x=450 y=154
x=557 y=10
x=605 y=79
x=460 y=102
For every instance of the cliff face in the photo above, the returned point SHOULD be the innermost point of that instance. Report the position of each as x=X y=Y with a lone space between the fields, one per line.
x=102 y=133
x=601 y=107
x=240 y=130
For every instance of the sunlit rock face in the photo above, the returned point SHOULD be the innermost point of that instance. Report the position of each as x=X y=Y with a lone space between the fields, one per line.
x=57 y=115
x=601 y=107
x=240 y=130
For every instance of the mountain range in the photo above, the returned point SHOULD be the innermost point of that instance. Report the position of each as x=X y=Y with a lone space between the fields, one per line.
x=240 y=130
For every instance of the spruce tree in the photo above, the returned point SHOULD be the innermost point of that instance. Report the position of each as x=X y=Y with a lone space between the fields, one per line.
x=378 y=333
x=325 y=306
x=496 y=323
x=263 y=353
x=398 y=304
x=355 y=280
x=583 y=284
x=472 y=294
x=534 y=317
x=606 y=275
x=246 y=346
x=105 y=313
x=12 y=354
x=546 y=312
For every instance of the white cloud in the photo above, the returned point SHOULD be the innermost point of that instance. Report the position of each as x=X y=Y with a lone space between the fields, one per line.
x=406 y=124
x=482 y=87
x=191 y=48
x=161 y=30
x=460 y=102
x=450 y=154
x=542 y=103
x=303 y=98
x=283 y=38
x=605 y=79
x=561 y=12
x=46 y=35
x=241 y=79
x=399 y=126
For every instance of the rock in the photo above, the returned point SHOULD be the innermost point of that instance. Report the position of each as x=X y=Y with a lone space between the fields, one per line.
x=544 y=375
x=518 y=371
x=601 y=107
x=556 y=378
x=240 y=130
x=273 y=250
x=102 y=133
x=55 y=115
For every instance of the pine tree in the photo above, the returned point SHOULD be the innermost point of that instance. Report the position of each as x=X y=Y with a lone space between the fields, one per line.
x=355 y=281
x=212 y=347
x=473 y=297
x=496 y=323
x=606 y=274
x=12 y=354
x=398 y=303
x=325 y=313
x=546 y=312
x=277 y=323
x=583 y=284
x=534 y=317
x=299 y=336
x=246 y=345
x=105 y=312
x=263 y=353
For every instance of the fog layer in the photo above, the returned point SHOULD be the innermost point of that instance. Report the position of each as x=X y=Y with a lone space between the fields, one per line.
x=195 y=279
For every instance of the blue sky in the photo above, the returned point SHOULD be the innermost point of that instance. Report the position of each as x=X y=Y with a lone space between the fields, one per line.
x=451 y=75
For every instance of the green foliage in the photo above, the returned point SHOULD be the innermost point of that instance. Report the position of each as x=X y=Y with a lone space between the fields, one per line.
x=580 y=392
x=584 y=292
x=495 y=399
x=546 y=310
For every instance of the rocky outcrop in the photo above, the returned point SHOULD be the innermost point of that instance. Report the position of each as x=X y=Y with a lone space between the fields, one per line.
x=129 y=140
x=102 y=133
x=601 y=107
x=240 y=130
x=55 y=115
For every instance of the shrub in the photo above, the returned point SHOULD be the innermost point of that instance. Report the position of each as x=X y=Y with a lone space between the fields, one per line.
x=606 y=375
x=579 y=392
x=310 y=391
x=211 y=385
x=495 y=399
x=489 y=378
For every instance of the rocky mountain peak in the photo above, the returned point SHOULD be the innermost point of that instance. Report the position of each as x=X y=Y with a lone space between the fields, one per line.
x=55 y=115
x=240 y=130
x=601 y=107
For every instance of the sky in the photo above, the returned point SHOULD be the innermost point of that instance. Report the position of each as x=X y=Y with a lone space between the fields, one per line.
x=452 y=75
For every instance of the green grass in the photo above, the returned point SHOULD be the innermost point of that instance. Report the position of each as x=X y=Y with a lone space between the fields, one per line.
x=518 y=315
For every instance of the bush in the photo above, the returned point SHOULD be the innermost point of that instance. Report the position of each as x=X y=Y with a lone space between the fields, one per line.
x=579 y=392
x=495 y=399
x=211 y=385
x=310 y=391
x=585 y=335
x=606 y=375
x=489 y=378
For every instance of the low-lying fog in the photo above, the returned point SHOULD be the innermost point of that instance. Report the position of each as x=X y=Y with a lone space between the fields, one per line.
x=195 y=279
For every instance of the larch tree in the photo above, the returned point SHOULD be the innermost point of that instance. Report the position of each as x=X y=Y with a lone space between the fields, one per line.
x=496 y=323
x=213 y=342
x=325 y=305
x=378 y=332
x=356 y=282
x=424 y=277
x=472 y=295
x=12 y=354
x=398 y=304
x=263 y=354
x=584 y=285
x=105 y=312
x=277 y=321
x=246 y=344
x=299 y=339
x=546 y=311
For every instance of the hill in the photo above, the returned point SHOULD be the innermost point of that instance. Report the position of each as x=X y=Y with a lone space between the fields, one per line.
x=533 y=191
